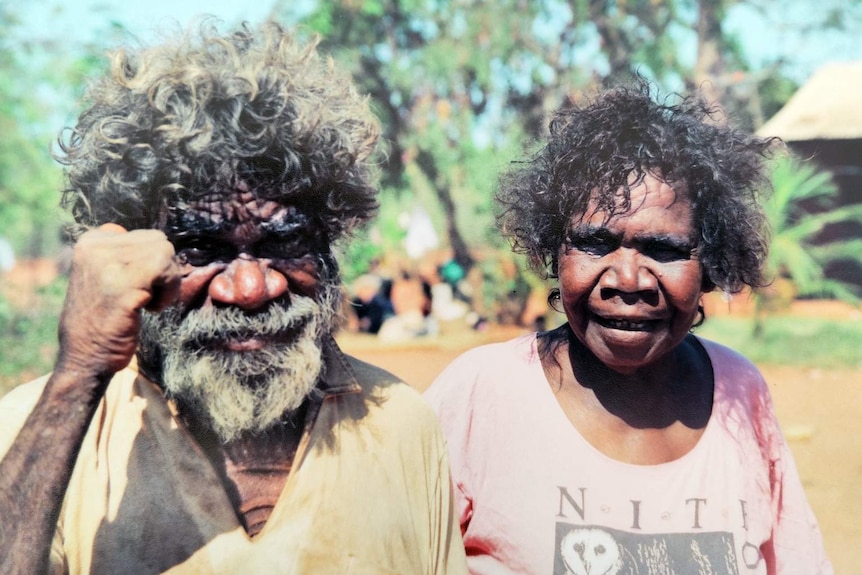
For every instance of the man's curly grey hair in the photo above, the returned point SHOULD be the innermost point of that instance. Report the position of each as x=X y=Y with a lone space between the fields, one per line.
x=207 y=113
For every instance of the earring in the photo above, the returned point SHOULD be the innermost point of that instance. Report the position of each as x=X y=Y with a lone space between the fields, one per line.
x=700 y=318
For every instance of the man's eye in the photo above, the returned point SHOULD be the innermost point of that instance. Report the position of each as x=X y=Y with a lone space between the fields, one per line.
x=282 y=249
x=201 y=253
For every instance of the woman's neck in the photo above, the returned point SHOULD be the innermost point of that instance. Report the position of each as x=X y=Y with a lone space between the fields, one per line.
x=676 y=387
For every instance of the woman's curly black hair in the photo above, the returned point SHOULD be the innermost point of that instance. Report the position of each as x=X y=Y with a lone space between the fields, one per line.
x=604 y=148
x=210 y=113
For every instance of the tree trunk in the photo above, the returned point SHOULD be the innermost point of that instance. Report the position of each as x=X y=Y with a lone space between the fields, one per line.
x=709 y=70
x=460 y=252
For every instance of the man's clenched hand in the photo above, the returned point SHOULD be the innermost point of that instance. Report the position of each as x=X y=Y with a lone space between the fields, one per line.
x=115 y=273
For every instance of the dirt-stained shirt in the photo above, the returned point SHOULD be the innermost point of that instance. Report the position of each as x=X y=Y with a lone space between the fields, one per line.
x=368 y=491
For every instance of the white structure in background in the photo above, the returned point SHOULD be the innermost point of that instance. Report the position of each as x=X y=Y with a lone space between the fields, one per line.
x=421 y=237
x=7 y=255
x=444 y=306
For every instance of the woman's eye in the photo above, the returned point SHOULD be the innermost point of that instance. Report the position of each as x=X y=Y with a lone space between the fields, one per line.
x=596 y=248
x=592 y=245
x=664 y=252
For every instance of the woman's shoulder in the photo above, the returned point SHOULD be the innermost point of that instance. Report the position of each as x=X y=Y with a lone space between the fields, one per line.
x=494 y=364
x=519 y=348
x=726 y=360
x=737 y=378
x=495 y=357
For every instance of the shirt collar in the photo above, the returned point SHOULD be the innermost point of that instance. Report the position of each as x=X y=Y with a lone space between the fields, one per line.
x=337 y=377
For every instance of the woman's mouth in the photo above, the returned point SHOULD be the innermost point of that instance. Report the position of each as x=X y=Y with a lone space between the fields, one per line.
x=626 y=324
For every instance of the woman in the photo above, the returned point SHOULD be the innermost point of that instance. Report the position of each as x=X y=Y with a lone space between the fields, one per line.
x=620 y=443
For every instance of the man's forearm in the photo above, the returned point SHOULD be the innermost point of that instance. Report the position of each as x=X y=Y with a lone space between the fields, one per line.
x=35 y=473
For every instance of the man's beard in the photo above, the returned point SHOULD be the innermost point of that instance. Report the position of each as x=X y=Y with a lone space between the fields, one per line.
x=236 y=392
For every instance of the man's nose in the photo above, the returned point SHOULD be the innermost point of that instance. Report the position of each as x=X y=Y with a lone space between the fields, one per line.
x=627 y=273
x=248 y=283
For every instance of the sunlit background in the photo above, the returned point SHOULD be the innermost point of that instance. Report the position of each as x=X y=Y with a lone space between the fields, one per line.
x=465 y=87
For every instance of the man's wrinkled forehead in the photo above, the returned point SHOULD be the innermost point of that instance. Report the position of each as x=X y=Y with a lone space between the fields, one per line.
x=217 y=212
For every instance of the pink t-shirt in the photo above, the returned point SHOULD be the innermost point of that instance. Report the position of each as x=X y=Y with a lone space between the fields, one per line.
x=535 y=497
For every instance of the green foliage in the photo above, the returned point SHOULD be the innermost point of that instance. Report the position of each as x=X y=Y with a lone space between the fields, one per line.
x=28 y=334
x=773 y=91
x=357 y=256
x=27 y=182
x=799 y=210
x=385 y=236
x=39 y=80
x=440 y=100
x=791 y=340
x=463 y=88
x=29 y=196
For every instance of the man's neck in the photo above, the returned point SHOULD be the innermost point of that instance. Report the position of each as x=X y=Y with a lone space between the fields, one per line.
x=254 y=467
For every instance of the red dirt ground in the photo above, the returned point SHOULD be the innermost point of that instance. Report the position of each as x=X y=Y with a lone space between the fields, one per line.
x=819 y=410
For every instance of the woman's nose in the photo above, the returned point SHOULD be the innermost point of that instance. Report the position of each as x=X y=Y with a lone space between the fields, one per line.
x=248 y=283
x=626 y=273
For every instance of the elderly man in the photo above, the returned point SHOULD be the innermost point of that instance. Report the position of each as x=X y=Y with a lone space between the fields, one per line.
x=200 y=417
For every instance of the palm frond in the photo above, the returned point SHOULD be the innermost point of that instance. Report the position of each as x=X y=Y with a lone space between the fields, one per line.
x=792 y=182
x=793 y=255
x=811 y=224
x=839 y=250
x=829 y=288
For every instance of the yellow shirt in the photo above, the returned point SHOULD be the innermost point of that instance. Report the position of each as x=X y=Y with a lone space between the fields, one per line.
x=368 y=492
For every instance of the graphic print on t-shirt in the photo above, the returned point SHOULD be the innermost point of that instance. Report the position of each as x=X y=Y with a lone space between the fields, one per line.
x=594 y=550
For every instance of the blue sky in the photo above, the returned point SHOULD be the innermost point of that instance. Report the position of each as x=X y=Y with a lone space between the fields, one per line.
x=764 y=39
x=84 y=19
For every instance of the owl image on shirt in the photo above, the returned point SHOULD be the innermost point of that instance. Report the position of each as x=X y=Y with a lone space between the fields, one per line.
x=593 y=550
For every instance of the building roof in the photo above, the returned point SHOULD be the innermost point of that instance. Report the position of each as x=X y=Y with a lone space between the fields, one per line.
x=827 y=107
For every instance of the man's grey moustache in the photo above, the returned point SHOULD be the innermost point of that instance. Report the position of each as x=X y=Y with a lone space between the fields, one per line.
x=279 y=329
x=274 y=342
